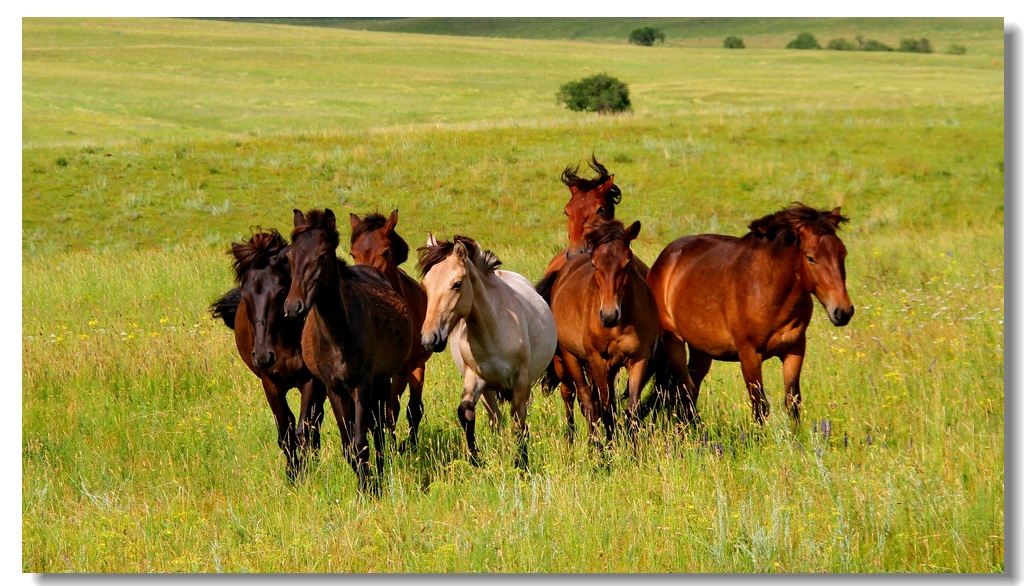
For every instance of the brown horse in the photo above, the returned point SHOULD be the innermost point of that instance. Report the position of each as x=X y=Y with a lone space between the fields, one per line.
x=606 y=319
x=748 y=299
x=270 y=345
x=375 y=242
x=357 y=335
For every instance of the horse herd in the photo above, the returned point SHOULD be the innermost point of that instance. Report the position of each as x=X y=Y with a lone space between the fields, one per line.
x=359 y=334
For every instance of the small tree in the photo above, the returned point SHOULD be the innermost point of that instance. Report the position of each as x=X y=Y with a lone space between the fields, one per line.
x=915 y=46
x=841 y=45
x=733 y=43
x=804 y=41
x=600 y=93
x=872 y=44
x=956 y=50
x=646 y=36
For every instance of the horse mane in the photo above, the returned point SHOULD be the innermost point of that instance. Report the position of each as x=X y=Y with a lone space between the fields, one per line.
x=315 y=219
x=256 y=252
x=375 y=221
x=784 y=223
x=604 y=232
x=571 y=178
x=484 y=260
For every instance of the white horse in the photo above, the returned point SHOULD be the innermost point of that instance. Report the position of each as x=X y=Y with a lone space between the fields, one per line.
x=502 y=332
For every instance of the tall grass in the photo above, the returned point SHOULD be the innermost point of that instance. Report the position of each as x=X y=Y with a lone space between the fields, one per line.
x=147 y=445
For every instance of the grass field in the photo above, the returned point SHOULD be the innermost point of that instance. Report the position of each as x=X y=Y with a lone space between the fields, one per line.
x=150 y=145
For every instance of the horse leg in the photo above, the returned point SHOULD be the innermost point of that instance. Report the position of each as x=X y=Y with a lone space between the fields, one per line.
x=363 y=422
x=568 y=388
x=698 y=366
x=791 y=365
x=492 y=407
x=311 y=415
x=599 y=374
x=381 y=416
x=276 y=398
x=750 y=364
x=520 y=404
x=637 y=377
x=341 y=404
x=472 y=387
x=584 y=392
x=414 y=410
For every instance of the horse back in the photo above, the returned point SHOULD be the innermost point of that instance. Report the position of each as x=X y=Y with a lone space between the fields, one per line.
x=383 y=315
x=538 y=325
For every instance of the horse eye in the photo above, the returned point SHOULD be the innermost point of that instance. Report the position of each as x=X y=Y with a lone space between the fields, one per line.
x=600 y=211
x=386 y=253
x=811 y=260
x=322 y=258
x=457 y=285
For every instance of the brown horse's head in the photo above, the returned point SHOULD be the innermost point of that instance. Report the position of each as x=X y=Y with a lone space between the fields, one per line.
x=374 y=241
x=822 y=254
x=611 y=257
x=313 y=259
x=590 y=200
x=263 y=276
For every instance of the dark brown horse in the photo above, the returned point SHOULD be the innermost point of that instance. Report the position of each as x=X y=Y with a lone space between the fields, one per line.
x=606 y=319
x=748 y=299
x=357 y=335
x=270 y=345
x=376 y=243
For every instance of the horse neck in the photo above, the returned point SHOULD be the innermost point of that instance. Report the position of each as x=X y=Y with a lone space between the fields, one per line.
x=331 y=301
x=787 y=288
x=392 y=274
x=482 y=320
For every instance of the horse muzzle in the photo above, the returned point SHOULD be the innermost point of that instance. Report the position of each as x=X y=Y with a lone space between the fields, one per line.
x=610 y=319
x=295 y=310
x=839 y=316
x=263 y=360
x=434 y=341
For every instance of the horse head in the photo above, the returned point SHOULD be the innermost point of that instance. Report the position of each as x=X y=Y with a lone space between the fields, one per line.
x=611 y=258
x=313 y=259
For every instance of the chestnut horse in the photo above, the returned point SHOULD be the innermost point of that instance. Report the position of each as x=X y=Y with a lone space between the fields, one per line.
x=375 y=242
x=270 y=345
x=502 y=333
x=748 y=299
x=357 y=335
x=606 y=319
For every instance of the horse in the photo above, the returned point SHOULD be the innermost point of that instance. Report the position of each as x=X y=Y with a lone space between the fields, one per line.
x=607 y=319
x=271 y=345
x=375 y=242
x=502 y=332
x=748 y=299
x=357 y=335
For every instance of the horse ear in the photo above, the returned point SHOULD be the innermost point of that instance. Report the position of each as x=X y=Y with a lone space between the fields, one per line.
x=300 y=220
x=836 y=212
x=329 y=220
x=431 y=241
x=353 y=220
x=460 y=250
x=392 y=221
x=633 y=231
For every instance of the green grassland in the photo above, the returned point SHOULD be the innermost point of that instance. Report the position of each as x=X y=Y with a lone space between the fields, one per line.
x=150 y=144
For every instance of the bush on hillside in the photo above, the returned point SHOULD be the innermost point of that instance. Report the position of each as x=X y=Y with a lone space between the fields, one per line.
x=804 y=41
x=841 y=45
x=915 y=46
x=956 y=50
x=646 y=36
x=600 y=93
x=872 y=45
x=733 y=43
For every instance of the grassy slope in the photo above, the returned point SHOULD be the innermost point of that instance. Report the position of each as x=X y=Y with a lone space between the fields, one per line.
x=152 y=450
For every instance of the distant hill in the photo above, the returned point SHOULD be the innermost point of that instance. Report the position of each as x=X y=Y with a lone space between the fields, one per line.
x=763 y=32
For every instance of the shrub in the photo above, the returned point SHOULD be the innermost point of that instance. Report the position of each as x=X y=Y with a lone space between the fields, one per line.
x=804 y=41
x=915 y=46
x=733 y=43
x=956 y=50
x=598 y=93
x=841 y=45
x=872 y=45
x=646 y=36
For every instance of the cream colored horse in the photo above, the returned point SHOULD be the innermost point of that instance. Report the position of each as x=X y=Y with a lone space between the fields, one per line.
x=502 y=332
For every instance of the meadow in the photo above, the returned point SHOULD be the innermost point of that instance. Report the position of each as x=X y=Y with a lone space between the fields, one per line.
x=149 y=145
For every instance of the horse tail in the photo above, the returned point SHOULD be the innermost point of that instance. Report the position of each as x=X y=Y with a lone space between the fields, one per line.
x=549 y=380
x=545 y=285
x=666 y=381
x=226 y=306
